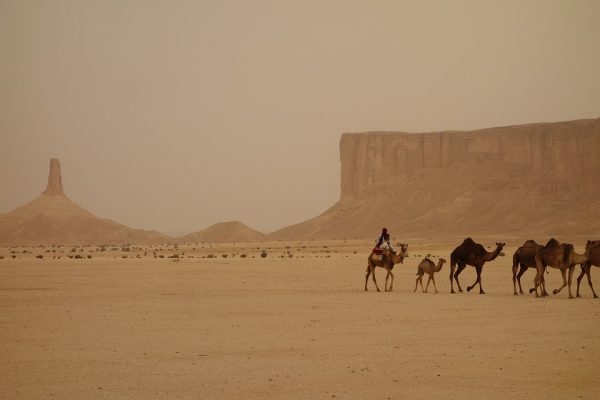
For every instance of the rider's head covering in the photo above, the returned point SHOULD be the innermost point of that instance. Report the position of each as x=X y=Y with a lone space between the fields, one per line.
x=384 y=231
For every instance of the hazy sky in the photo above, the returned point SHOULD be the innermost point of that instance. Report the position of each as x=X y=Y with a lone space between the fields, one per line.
x=173 y=115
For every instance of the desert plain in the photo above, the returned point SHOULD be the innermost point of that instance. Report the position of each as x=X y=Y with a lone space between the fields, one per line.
x=126 y=323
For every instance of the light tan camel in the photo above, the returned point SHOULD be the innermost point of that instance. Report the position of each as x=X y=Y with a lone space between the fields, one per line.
x=386 y=261
x=561 y=256
x=592 y=251
x=471 y=253
x=428 y=267
x=525 y=257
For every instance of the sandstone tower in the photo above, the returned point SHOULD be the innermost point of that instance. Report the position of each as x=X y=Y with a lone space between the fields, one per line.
x=55 y=186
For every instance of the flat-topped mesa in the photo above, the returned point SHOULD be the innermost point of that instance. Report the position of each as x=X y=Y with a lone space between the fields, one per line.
x=55 y=186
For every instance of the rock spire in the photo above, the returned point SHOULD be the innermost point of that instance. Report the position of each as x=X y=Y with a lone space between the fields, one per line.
x=55 y=186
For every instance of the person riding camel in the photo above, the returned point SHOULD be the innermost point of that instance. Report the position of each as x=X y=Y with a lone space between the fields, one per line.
x=384 y=243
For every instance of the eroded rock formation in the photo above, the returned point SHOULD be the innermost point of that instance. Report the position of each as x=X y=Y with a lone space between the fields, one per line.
x=55 y=186
x=53 y=218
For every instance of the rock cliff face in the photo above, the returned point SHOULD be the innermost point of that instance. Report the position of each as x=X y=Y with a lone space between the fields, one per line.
x=527 y=179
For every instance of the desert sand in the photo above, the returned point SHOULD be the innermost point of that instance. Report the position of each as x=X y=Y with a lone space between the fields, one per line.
x=124 y=324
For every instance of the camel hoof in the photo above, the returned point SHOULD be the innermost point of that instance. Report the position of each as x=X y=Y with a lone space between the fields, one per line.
x=378 y=290
x=554 y=291
x=578 y=295
x=460 y=290
x=515 y=294
x=481 y=292
x=531 y=290
x=452 y=292
x=595 y=296
x=469 y=289
x=571 y=297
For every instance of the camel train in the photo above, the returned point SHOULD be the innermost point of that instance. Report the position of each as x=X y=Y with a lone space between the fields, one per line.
x=554 y=254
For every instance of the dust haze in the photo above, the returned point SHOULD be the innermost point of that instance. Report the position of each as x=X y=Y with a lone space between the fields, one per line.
x=176 y=115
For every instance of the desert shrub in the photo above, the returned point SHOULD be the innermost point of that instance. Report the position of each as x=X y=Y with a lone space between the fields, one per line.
x=1 y=257
x=89 y=256
x=161 y=256
x=243 y=255
x=263 y=254
x=224 y=255
x=13 y=256
x=502 y=254
x=78 y=256
x=39 y=256
x=123 y=256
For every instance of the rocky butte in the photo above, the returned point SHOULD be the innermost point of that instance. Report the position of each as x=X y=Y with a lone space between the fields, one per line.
x=533 y=180
x=53 y=218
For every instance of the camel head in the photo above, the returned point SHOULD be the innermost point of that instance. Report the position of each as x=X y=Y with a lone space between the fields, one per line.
x=592 y=243
x=500 y=245
x=399 y=257
x=441 y=262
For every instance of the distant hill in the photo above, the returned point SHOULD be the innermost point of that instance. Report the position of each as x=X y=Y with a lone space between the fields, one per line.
x=535 y=180
x=53 y=218
x=225 y=232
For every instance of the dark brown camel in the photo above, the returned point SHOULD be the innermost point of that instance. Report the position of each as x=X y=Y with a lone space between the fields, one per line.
x=474 y=254
x=592 y=251
x=386 y=261
x=561 y=256
x=525 y=257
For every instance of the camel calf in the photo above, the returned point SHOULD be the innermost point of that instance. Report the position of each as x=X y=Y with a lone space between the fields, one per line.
x=428 y=267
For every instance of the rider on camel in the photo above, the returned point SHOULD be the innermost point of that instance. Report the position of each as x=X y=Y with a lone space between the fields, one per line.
x=384 y=243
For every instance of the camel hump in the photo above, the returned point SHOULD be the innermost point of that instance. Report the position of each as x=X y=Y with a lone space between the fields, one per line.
x=568 y=250
x=530 y=243
x=552 y=243
x=468 y=241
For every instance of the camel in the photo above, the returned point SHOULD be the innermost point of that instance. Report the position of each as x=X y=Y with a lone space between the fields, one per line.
x=561 y=256
x=474 y=254
x=525 y=257
x=387 y=261
x=592 y=251
x=427 y=266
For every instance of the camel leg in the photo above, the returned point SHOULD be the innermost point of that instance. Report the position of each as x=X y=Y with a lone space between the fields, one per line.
x=514 y=272
x=427 y=286
x=542 y=284
x=589 y=277
x=369 y=270
x=579 y=280
x=390 y=274
x=416 y=284
x=433 y=279
x=375 y=280
x=478 y=280
x=571 y=270
x=387 y=276
x=457 y=273
x=519 y=275
x=421 y=283
x=564 y=276
x=452 y=266
x=539 y=276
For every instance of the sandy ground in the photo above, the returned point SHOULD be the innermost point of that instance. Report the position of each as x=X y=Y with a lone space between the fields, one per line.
x=301 y=328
